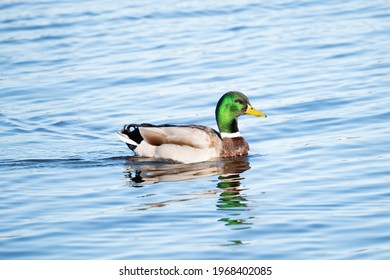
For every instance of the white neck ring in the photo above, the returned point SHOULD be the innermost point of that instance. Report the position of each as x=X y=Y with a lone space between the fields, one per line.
x=230 y=135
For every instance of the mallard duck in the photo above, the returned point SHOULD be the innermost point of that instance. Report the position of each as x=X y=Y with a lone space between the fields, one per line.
x=194 y=143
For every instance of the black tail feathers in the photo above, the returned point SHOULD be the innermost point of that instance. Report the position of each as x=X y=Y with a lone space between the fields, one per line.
x=132 y=131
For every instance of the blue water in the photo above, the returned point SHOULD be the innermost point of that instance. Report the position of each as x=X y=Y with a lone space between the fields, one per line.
x=316 y=184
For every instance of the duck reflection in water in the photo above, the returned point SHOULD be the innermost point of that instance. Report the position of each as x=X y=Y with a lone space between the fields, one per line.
x=141 y=172
x=232 y=201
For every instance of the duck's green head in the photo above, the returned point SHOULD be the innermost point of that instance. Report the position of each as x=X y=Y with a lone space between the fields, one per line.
x=232 y=105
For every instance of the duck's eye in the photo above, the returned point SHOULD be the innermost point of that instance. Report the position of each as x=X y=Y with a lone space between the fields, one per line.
x=238 y=101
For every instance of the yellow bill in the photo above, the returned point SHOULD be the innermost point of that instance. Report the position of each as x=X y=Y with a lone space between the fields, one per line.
x=254 y=112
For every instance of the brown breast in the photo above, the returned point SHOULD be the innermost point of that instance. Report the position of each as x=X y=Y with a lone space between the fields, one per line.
x=233 y=147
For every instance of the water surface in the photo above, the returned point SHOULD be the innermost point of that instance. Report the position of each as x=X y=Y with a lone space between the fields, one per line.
x=314 y=186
